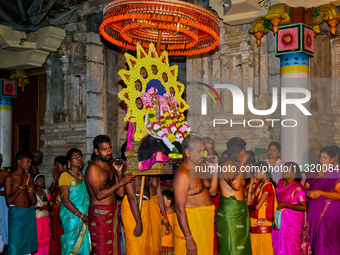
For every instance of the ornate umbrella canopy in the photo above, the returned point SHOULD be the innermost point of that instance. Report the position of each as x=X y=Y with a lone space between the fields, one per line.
x=183 y=28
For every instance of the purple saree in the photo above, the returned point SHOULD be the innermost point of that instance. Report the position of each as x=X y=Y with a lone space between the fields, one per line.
x=288 y=240
x=323 y=216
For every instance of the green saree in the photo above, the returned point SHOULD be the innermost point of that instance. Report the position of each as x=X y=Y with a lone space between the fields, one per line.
x=75 y=239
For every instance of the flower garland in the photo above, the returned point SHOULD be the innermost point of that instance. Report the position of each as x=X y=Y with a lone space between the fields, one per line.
x=177 y=116
x=147 y=100
x=168 y=121
x=154 y=67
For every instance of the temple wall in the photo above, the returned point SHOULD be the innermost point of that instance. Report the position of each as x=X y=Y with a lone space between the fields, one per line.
x=82 y=92
x=83 y=85
x=240 y=62
x=82 y=89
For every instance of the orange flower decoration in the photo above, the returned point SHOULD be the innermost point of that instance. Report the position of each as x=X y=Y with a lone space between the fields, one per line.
x=187 y=29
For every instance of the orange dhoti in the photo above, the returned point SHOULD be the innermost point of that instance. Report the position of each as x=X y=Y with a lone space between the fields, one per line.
x=156 y=225
x=201 y=224
x=168 y=241
x=136 y=245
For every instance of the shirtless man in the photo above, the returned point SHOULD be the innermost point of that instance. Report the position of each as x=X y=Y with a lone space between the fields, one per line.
x=36 y=161
x=103 y=183
x=3 y=206
x=194 y=208
x=232 y=219
x=143 y=229
x=20 y=196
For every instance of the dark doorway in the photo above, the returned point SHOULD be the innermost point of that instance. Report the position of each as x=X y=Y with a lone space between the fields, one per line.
x=24 y=141
x=28 y=114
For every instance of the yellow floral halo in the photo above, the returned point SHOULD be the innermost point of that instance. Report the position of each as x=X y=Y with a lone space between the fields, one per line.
x=146 y=71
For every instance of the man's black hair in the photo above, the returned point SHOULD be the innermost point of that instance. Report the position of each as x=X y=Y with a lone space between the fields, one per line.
x=100 y=139
x=22 y=155
x=235 y=145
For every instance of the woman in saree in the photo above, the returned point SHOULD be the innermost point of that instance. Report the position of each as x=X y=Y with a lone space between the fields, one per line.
x=292 y=202
x=323 y=190
x=274 y=160
x=262 y=203
x=74 y=207
x=59 y=167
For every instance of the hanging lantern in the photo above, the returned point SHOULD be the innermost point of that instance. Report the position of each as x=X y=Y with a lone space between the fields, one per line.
x=182 y=28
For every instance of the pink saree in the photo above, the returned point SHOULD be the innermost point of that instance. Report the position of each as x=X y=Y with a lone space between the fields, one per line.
x=288 y=240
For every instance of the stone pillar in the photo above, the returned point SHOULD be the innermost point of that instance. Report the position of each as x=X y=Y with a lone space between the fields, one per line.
x=295 y=140
x=6 y=130
x=294 y=43
x=64 y=67
x=95 y=121
x=48 y=112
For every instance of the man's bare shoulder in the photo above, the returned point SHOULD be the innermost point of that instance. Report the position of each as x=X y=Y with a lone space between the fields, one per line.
x=4 y=173
x=92 y=169
x=182 y=170
x=8 y=178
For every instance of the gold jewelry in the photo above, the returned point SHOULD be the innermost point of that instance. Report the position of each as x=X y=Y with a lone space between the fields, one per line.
x=68 y=165
x=20 y=187
x=75 y=176
x=81 y=217
x=29 y=190
x=64 y=194
x=76 y=214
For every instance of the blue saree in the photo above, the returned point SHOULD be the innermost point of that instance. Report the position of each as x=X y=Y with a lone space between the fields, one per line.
x=75 y=239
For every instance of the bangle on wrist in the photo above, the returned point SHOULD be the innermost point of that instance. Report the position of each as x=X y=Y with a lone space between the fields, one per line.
x=81 y=217
x=188 y=237
x=20 y=187
x=76 y=214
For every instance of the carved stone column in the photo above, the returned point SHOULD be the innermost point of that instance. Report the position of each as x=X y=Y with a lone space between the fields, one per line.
x=48 y=112
x=64 y=68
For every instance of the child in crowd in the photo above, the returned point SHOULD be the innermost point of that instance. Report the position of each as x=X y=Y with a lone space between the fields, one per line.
x=168 y=241
x=262 y=203
x=42 y=215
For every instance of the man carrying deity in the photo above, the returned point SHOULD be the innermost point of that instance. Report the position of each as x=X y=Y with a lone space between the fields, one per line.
x=194 y=224
x=103 y=183
x=143 y=228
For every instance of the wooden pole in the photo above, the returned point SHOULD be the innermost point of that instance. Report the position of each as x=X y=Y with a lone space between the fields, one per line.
x=141 y=192
x=159 y=41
